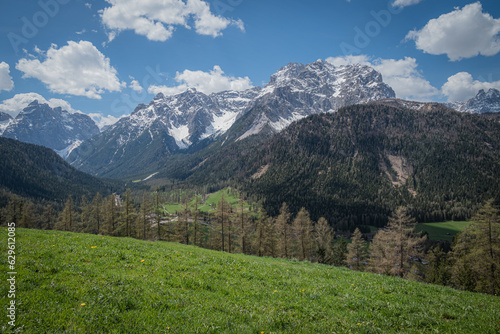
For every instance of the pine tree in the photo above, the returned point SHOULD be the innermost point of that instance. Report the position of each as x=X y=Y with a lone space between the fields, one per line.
x=339 y=253
x=85 y=215
x=183 y=224
x=157 y=212
x=47 y=220
x=476 y=253
x=284 y=231
x=302 y=228
x=196 y=224
x=395 y=247
x=243 y=226
x=28 y=215
x=438 y=269
x=323 y=237
x=260 y=232
x=356 y=251
x=111 y=215
x=67 y=216
x=127 y=213
x=145 y=216
x=222 y=220
x=97 y=214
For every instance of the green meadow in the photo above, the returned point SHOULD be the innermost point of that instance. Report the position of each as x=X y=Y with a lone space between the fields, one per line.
x=80 y=283
x=442 y=231
x=209 y=203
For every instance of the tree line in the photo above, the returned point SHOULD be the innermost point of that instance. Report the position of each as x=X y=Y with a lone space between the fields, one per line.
x=471 y=263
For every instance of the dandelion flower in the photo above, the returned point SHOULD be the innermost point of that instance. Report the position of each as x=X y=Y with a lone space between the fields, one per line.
x=359 y=324
x=53 y=245
x=142 y=260
x=275 y=290
x=83 y=304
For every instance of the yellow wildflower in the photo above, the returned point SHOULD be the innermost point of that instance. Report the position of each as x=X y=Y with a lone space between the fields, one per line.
x=83 y=304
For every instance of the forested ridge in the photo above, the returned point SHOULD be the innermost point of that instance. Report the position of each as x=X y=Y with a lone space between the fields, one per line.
x=356 y=166
x=37 y=173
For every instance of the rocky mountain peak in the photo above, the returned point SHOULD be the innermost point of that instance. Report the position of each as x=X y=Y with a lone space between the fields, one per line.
x=54 y=128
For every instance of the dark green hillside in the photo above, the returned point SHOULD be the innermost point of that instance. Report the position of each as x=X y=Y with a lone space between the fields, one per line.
x=365 y=160
x=80 y=283
x=39 y=173
x=355 y=166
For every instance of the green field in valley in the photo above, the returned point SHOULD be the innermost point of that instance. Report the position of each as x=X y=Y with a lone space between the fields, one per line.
x=209 y=203
x=442 y=231
x=80 y=283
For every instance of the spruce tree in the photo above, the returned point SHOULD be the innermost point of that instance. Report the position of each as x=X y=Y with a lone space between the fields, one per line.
x=323 y=237
x=356 y=251
x=476 y=253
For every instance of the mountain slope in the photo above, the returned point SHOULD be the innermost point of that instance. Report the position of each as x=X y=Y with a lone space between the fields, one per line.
x=190 y=121
x=135 y=286
x=37 y=172
x=54 y=128
x=356 y=165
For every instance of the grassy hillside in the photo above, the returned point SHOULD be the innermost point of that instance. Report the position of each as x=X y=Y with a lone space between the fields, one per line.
x=442 y=231
x=78 y=283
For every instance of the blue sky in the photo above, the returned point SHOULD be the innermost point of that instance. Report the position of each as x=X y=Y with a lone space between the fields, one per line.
x=108 y=56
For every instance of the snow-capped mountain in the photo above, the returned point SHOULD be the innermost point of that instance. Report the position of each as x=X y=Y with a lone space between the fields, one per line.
x=298 y=90
x=54 y=128
x=483 y=102
x=191 y=120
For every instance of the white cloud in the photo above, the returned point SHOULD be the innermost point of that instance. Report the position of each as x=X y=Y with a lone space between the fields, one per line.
x=157 y=19
x=135 y=85
x=6 y=82
x=76 y=69
x=206 y=82
x=404 y=3
x=461 y=87
x=16 y=104
x=402 y=75
x=463 y=33
x=104 y=121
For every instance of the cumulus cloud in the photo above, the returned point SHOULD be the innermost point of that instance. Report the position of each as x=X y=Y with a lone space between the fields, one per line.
x=6 y=82
x=135 y=85
x=463 y=33
x=16 y=104
x=405 y=3
x=462 y=86
x=76 y=69
x=206 y=82
x=402 y=75
x=157 y=19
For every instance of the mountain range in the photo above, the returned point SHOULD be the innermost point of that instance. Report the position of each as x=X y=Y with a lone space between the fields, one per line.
x=190 y=121
x=333 y=139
